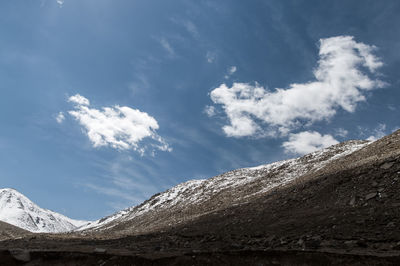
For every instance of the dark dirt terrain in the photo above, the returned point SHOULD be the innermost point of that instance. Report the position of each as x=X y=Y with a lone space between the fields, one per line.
x=347 y=213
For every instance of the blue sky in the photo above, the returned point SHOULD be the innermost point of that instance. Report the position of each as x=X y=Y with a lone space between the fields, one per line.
x=191 y=89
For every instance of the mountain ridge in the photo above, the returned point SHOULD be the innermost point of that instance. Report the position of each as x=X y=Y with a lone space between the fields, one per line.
x=195 y=193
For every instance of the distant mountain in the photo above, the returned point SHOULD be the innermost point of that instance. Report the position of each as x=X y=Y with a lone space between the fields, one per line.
x=194 y=198
x=18 y=210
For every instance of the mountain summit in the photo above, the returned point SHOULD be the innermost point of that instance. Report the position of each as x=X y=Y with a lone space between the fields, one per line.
x=18 y=210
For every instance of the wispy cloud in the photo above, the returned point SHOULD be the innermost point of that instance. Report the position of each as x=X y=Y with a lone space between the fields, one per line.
x=341 y=81
x=231 y=71
x=114 y=192
x=307 y=141
x=378 y=132
x=341 y=132
x=190 y=27
x=132 y=184
x=139 y=84
x=210 y=56
x=167 y=46
x=127 y=181
x=119 y=127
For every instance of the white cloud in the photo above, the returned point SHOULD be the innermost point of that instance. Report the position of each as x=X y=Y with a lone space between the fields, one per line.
x=209 y=110
x=341 y=81
x=167 y=46
x=60 y=117
x=60 y=3
x=78 y=99
x=232 y=70
x=119 y=127
x=307 y=141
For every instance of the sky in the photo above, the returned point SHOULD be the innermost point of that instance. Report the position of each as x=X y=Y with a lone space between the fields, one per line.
x=107 y=102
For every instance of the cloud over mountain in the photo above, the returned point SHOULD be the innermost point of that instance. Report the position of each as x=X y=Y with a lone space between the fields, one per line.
x=307 y=141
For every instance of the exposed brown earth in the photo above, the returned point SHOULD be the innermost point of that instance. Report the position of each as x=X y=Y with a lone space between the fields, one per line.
x=346 y=213
x=8 y=231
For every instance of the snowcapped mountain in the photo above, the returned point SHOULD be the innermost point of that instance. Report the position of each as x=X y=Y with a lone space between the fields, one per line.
x=196 y=197
x=18 y=210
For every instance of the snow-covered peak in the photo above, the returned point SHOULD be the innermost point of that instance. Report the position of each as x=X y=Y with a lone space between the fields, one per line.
x=18 y=210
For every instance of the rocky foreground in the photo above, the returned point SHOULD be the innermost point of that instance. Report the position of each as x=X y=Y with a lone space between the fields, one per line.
x=344 y=212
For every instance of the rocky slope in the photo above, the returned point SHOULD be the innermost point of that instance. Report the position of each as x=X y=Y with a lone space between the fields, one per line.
x=198 y=197
x=351 y=205
x=18 y=210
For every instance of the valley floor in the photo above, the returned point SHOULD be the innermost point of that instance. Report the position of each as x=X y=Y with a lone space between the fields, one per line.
x=148 y=250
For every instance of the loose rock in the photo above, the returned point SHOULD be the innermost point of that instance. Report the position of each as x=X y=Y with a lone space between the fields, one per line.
x=387 y=165
x=100 y=250
x=370 y=196
x=21 y=255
